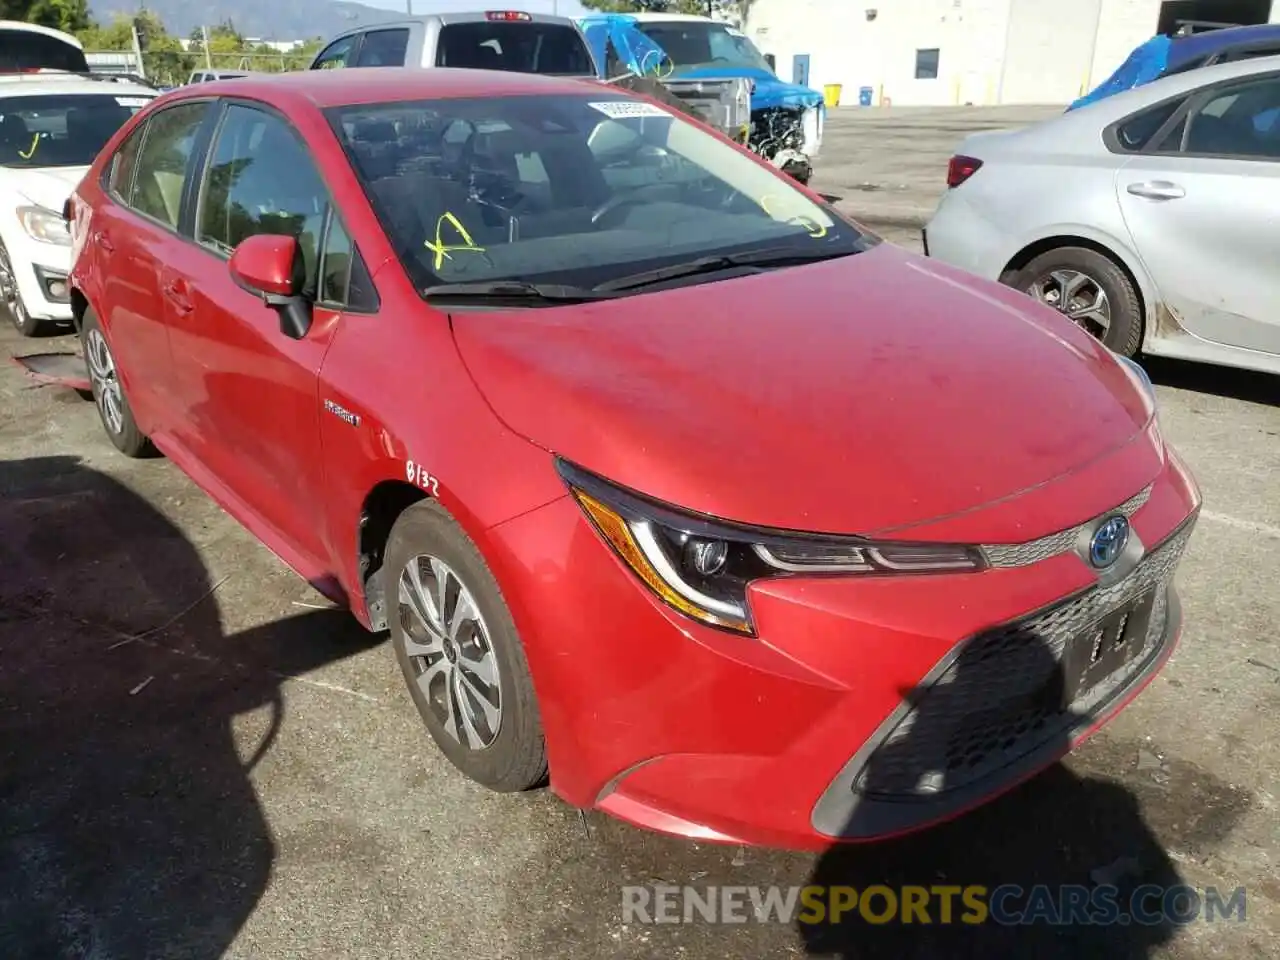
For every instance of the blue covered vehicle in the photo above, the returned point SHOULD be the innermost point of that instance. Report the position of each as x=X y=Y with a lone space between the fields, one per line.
x=1161 y=56
x=786 y=120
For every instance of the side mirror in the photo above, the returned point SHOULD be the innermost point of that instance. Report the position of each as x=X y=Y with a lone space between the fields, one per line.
x=270 y=267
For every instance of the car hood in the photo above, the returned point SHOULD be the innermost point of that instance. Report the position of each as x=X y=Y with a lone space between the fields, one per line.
x=46 y=187
x=767 y=90
x=850 y=396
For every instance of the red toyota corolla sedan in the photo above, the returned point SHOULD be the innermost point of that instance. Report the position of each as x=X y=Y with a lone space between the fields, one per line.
x=668 y=480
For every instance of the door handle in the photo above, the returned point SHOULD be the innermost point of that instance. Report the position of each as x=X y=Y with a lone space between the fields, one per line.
x=176 y=293
x=1157 y=190
x=104 y=241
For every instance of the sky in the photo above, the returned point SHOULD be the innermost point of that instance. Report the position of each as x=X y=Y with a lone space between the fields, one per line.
x=566 y=8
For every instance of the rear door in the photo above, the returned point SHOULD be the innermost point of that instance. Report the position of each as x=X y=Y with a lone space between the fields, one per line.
x=132 y=238
x=1200 y=203
x=249 y=394
x=384 y=48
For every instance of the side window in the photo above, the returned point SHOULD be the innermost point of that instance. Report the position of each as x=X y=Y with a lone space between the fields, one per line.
x=337 y=55
x=1136 y=132
x=161 y=166
x=261 y=179
x=120 y=173
x=344 y=281
x=1238 y=122
x=383 y=48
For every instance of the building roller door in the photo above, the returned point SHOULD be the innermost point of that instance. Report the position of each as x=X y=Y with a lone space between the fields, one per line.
x=1049 y=50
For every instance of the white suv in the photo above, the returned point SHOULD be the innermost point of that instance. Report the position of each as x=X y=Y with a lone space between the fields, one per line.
x=52 y=125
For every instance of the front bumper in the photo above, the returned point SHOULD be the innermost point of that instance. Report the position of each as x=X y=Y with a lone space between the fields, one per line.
x=856 y=692
x=40 y=270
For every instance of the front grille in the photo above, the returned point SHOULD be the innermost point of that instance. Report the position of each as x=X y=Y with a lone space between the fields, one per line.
x=1025 y=554
x=1007 y=693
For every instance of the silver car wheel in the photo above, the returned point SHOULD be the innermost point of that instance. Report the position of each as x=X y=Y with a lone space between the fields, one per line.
x=447 y=642
x=105 y=381
x=9 y=294
x=1077 y=296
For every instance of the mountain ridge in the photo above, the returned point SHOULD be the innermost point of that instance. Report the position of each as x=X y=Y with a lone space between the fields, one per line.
x=275 y=20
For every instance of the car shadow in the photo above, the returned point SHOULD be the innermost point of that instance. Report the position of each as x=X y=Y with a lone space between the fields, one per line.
x=129 y=826
x=1229 y=382
x=1056 y=830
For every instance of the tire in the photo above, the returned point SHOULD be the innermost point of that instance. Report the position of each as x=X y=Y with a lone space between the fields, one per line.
x=440 y=674
x=1123 y=334
x=11 y=299
x=108 y=392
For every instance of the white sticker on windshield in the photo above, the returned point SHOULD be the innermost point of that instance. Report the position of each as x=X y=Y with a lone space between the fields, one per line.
x=628 y=109
x=133 y=101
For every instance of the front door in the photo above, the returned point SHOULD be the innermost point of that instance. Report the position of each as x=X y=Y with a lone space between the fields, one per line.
x=1201 y=211
x=800 y=69
x=249 y=392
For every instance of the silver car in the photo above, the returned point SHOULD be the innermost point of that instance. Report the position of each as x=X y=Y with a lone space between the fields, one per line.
x=1151 y=218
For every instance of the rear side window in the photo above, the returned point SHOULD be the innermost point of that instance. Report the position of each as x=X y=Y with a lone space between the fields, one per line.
x=1134 y=134
x=383 y=48
x=120 y=174
x=161 y=167
x=28 y=50
x=337 y=55
x=515 y=47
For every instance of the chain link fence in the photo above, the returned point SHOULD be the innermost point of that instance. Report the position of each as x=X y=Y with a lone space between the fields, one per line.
x=172 y=68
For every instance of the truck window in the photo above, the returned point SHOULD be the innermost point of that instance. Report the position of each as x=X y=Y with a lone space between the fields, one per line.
x=29 y=50
x=383 y=48
x=515 y=47
x=337 y=54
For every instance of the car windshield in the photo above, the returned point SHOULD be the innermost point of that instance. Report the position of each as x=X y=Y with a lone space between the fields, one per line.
x=61 y=130
x=550 y=48
x=698 y=45
x=578 y=189
x=30 y=50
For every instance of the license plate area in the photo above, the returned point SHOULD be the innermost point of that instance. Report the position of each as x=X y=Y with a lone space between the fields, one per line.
x=1108 y=645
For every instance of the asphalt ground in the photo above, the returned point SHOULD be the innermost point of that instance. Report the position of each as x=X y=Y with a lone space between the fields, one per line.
x=198 y=759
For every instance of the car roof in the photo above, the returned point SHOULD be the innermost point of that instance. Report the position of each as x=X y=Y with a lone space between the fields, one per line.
x=46 y=31
x=362 y=85
x=670 y=17
x=1122 y=104
x=52 y=84
x=1185 y=49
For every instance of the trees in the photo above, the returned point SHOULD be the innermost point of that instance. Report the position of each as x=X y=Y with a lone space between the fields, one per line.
x=730 y=9
x=68 y=15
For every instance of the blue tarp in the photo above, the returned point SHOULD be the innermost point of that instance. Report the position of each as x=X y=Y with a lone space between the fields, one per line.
x=1145 y=64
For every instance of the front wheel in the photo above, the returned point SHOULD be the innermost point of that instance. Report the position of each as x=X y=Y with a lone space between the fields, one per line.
x=460 y=653
x=1089 y=289
x=11 y=297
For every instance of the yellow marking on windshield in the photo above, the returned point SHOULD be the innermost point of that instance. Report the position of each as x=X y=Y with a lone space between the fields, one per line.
x=441 y=249
x=30 y=151
x=816 y=230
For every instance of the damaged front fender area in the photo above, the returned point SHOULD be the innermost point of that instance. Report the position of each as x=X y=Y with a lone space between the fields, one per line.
x=777 y=135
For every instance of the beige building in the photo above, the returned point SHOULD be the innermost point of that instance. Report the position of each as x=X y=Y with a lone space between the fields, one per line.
x=940 y=52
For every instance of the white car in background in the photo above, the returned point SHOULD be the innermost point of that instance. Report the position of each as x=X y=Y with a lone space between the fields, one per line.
x=1150 y=218
x=52 y=125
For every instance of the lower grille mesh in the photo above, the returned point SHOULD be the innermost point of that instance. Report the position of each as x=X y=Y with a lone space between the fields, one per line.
x=1006 y=695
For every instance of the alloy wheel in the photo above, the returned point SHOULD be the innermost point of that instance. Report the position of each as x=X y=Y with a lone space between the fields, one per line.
x=1077 y=296
x=447 y=642
x=9 y=295
x=105 y=381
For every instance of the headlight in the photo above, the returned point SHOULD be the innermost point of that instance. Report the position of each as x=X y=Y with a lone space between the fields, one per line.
x=703 y=567
x=44 y=225
x=1141 y=380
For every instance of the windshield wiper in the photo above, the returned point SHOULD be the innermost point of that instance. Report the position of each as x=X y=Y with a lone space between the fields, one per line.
x=766 y=257
x=513 y=290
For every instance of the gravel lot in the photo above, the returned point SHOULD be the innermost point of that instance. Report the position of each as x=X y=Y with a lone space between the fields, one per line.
x=198 y=760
